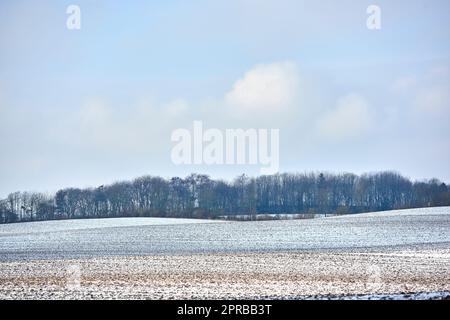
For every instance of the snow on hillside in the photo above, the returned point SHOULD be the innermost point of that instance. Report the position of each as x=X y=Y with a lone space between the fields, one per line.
x=147 y=236
x=80 y=224
x=402 y=212
x=402 y=254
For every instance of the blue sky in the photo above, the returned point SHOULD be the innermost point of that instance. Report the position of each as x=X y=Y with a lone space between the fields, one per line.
x=91 y=106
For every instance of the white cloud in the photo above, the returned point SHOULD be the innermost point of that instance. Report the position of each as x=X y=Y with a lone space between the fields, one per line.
x=99 y=126
x=404 y=84
x=265 y=88
x=428 y=94
x=438 y=72
x=176 y=108
x=139 y=127
x=432 y=100
x=350 y=118
x=94 y=113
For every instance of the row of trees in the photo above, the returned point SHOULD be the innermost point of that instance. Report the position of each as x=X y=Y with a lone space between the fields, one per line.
x=199 y=196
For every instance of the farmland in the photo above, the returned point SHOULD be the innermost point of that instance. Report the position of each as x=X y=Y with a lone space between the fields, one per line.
x=403 y=253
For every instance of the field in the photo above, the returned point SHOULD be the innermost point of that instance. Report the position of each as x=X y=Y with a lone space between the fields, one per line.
x=396 y=254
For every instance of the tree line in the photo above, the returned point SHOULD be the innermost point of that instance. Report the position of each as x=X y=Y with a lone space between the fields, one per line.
x=199 y=196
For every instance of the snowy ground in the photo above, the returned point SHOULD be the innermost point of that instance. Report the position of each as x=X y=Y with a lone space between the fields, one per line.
x=399 y=254
x=82 y=224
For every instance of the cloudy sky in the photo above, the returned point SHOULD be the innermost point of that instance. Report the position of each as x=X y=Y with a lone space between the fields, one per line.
x=95 y=105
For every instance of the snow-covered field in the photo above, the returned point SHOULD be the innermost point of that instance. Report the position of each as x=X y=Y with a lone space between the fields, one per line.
x=80 y=224
x=396 y=254
x=147 y=236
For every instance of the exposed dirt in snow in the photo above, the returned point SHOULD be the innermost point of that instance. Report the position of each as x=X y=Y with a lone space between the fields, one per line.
x=397 y=255
x=283 y=275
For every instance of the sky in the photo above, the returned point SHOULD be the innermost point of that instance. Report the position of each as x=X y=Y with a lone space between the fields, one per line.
x=99 y=104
